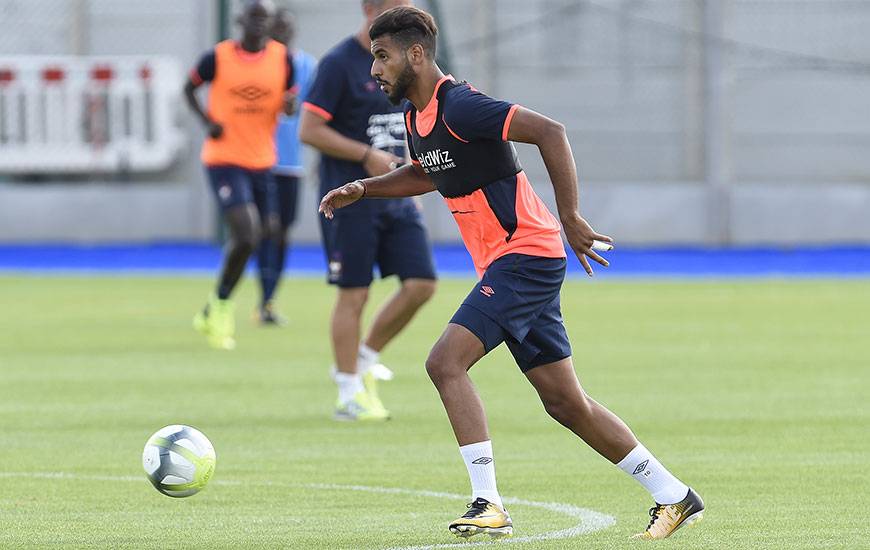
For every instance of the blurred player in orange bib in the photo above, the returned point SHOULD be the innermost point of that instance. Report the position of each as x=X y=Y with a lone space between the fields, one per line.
x=249 y=83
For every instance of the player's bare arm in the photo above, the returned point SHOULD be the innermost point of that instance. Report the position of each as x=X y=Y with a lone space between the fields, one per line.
x=406 y=181
x=527 y=126
x=214 y=129
x=314 y=131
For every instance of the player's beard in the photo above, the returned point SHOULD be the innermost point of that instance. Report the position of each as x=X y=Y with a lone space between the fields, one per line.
x=403 y=82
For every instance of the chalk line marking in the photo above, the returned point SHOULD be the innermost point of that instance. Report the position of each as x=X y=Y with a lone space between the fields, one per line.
x=589 y=520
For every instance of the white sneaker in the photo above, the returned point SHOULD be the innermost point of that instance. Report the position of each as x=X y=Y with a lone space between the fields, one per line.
x=381 y=372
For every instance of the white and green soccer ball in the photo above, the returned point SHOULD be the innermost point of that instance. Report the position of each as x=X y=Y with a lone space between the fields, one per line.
x=178 y=460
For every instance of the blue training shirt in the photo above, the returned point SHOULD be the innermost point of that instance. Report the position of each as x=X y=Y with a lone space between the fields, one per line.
x=346 y=95
x=290 y=161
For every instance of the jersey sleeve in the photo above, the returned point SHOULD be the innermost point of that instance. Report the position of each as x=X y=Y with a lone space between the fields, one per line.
x=205 y=69
x=471 y=115
x=327 y=88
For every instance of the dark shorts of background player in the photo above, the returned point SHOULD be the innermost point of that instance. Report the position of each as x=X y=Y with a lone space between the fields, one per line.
x=392 y=238
x=234 y=186
x=517 y=302
x=288 y=197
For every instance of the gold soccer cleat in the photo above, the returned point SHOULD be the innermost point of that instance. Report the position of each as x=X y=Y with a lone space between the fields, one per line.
x=667 y=518
x=483 y=517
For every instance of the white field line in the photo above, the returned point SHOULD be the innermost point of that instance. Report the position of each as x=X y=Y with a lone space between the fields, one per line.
x=589 y=520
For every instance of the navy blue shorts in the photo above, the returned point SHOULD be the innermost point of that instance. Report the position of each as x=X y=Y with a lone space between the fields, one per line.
x=233 y=186
x=517 y=302
x=393 y=238
x=288 y=197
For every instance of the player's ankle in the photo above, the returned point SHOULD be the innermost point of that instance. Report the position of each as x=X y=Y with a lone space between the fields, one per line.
x=349 y=384
x=367 y=356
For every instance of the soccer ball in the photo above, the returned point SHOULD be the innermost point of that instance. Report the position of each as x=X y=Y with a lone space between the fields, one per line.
x=178 y=460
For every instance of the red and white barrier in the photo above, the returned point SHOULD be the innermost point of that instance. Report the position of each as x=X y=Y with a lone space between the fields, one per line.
x=89 y=114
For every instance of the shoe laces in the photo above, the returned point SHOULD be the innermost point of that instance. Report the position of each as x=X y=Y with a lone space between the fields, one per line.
x=476 y=508
x=655 y=513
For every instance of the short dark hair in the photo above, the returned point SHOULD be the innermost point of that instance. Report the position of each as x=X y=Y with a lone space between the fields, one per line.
x=408 y=26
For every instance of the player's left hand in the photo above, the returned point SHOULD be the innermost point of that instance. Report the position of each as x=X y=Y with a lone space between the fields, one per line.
x=290 y=103
x=581 y=236
x=347 y=194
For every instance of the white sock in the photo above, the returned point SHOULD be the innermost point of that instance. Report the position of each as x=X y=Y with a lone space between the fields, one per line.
x=366 y=357
x=481 y=469
x=348 y=385
x=640 y=464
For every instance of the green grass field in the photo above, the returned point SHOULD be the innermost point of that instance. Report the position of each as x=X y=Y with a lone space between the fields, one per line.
x=754 y=392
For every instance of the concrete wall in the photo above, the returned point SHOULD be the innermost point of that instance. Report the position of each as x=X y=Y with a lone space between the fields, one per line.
x=746 y=124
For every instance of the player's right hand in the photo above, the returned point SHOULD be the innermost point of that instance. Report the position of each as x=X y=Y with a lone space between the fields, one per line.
x=380 y=162
x=581 y=237
x=347 y=194
x=215 y=130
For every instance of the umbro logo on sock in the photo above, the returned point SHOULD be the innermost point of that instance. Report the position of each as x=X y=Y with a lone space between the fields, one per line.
x=641 y=467
x=482 y=460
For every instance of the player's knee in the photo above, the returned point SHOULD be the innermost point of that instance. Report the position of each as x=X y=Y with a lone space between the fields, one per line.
x=435 y=369
x=560 y=411
x=249 y=241
x=273 y=229
x=568 y=409
x=353 y=299
x=419 y=291
x=439 y=367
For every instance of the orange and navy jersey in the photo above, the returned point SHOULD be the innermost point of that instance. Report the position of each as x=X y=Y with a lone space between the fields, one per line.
x=246 y=96
x=460 y=141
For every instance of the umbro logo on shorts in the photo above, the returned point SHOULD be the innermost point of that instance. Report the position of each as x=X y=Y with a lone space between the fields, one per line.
x=225 y=192
x=487 y=291
x=482 y=460
x=641 y=467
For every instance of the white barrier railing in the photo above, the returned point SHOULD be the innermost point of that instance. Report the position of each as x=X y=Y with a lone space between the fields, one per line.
x=65 y=114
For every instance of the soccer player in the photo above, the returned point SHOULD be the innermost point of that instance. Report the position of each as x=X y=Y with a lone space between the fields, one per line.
x=460 y=139
x=271 y=254
x=248 y=81
x=360 y=133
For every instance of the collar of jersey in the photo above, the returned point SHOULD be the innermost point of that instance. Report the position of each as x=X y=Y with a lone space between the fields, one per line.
x=425 y=119
x=247 y=56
